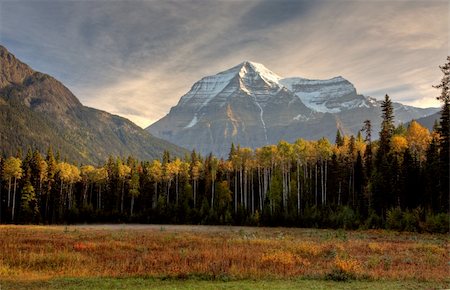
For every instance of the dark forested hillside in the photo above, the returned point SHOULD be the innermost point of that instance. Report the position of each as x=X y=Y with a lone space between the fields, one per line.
x=37 y=111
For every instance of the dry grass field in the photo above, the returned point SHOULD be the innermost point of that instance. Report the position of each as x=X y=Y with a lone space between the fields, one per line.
x=32 y=255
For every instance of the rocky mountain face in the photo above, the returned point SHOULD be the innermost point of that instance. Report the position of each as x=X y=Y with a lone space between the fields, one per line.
x=36 y=111
x=252 y=106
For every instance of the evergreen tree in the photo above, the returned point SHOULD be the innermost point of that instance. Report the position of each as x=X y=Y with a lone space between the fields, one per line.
x=387 y=126
x=339 y=141
x=385 y=173
x=444 y=131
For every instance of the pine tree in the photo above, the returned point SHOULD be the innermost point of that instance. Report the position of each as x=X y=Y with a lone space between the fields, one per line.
x=444 y=131
x=339 y=141
x=384 y=178
x=387 y=126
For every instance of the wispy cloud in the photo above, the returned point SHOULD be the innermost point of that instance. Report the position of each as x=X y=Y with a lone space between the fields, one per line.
x=137 y=58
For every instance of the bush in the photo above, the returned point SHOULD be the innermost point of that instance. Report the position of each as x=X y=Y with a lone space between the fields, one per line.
x=411 y=220
x=437 y=223
x=345 y=218
x=394 y=219
x=373 y=221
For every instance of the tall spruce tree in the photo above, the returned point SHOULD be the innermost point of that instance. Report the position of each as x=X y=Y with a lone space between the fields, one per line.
x=339 y=141
x=387 y=126
x=444 y=131
x=384 y=177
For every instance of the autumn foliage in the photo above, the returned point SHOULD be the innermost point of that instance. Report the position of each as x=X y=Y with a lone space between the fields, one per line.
x=219 y=253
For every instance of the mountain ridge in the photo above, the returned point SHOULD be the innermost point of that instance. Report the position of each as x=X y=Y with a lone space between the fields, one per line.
x=37 y=111
x=250 y=105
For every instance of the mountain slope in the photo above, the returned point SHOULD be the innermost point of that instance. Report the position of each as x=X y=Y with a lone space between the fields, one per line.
x=429 y=121
x=232 y=106
x=252 y=106
x=36 y=111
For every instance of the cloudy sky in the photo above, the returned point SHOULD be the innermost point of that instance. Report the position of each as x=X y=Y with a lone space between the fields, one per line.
x=137 y=58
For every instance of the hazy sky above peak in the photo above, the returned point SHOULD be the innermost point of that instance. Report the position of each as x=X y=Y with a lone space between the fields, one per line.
x=137 y=58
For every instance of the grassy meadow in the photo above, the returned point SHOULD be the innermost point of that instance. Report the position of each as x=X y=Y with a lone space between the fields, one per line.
x=214 y=257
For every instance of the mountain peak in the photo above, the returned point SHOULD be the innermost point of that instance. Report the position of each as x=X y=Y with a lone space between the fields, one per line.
x=12 y=70
x=251 y=69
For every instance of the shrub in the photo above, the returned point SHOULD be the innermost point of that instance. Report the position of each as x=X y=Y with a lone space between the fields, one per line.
x=344 y=270
x=345 y=218
x=394 y=219
x=437 y=223
x=411 y=220
x=373 y=221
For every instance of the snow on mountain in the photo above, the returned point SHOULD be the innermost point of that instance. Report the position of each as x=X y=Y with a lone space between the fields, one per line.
x=326 y=96
x=252 y=106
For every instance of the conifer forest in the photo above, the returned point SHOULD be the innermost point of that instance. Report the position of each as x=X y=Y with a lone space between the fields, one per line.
x=397 y=178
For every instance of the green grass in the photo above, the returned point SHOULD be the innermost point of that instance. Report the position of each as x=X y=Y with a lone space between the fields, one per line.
x=151 y=283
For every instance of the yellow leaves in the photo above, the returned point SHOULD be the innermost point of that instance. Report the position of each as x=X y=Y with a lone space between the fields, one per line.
x=347 y=265
x=308 y=249
x=196 y=170
x=155 y=171
x=376 y=248
x=100 y=175
x=399 y=144
x=123 y=170
x=87 y=172
x=12 y=168
x=64 y=171
x=418 y=138
x=188 y=250
x=282 y=258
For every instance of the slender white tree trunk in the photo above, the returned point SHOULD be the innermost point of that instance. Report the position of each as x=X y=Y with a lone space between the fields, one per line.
x=298 y=188
x=212 y=192
x=14 y=199
x=122 y=196
x=315 y=191
x=9 y=193
x=155 y=195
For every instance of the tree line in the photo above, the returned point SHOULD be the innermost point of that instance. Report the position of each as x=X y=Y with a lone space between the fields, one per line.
x=400 y=181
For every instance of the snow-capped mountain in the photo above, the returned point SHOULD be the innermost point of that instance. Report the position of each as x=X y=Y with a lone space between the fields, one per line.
x=252 y=106
x=326 y=96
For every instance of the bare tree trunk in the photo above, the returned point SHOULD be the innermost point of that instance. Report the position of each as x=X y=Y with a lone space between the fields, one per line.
x=132 y=205
x=252 y=190
x=353 y=184
x=242 y=192
x=14 y=199
x=176 y=189
x=260 y=189
x=99 y=196
x=168 y=192
x=9 y=193
x=212 y=192
x=122 y=196
x=195 y=193
x=316 y=185
x=326 y=179
x=235 y=191
x=155 y=195
x=339 y=194
x=322 y=188
x=91 y=194
x=298 y=188
x=47 y=197
x=61 y=197
x=245 y=189
x=85 y=190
